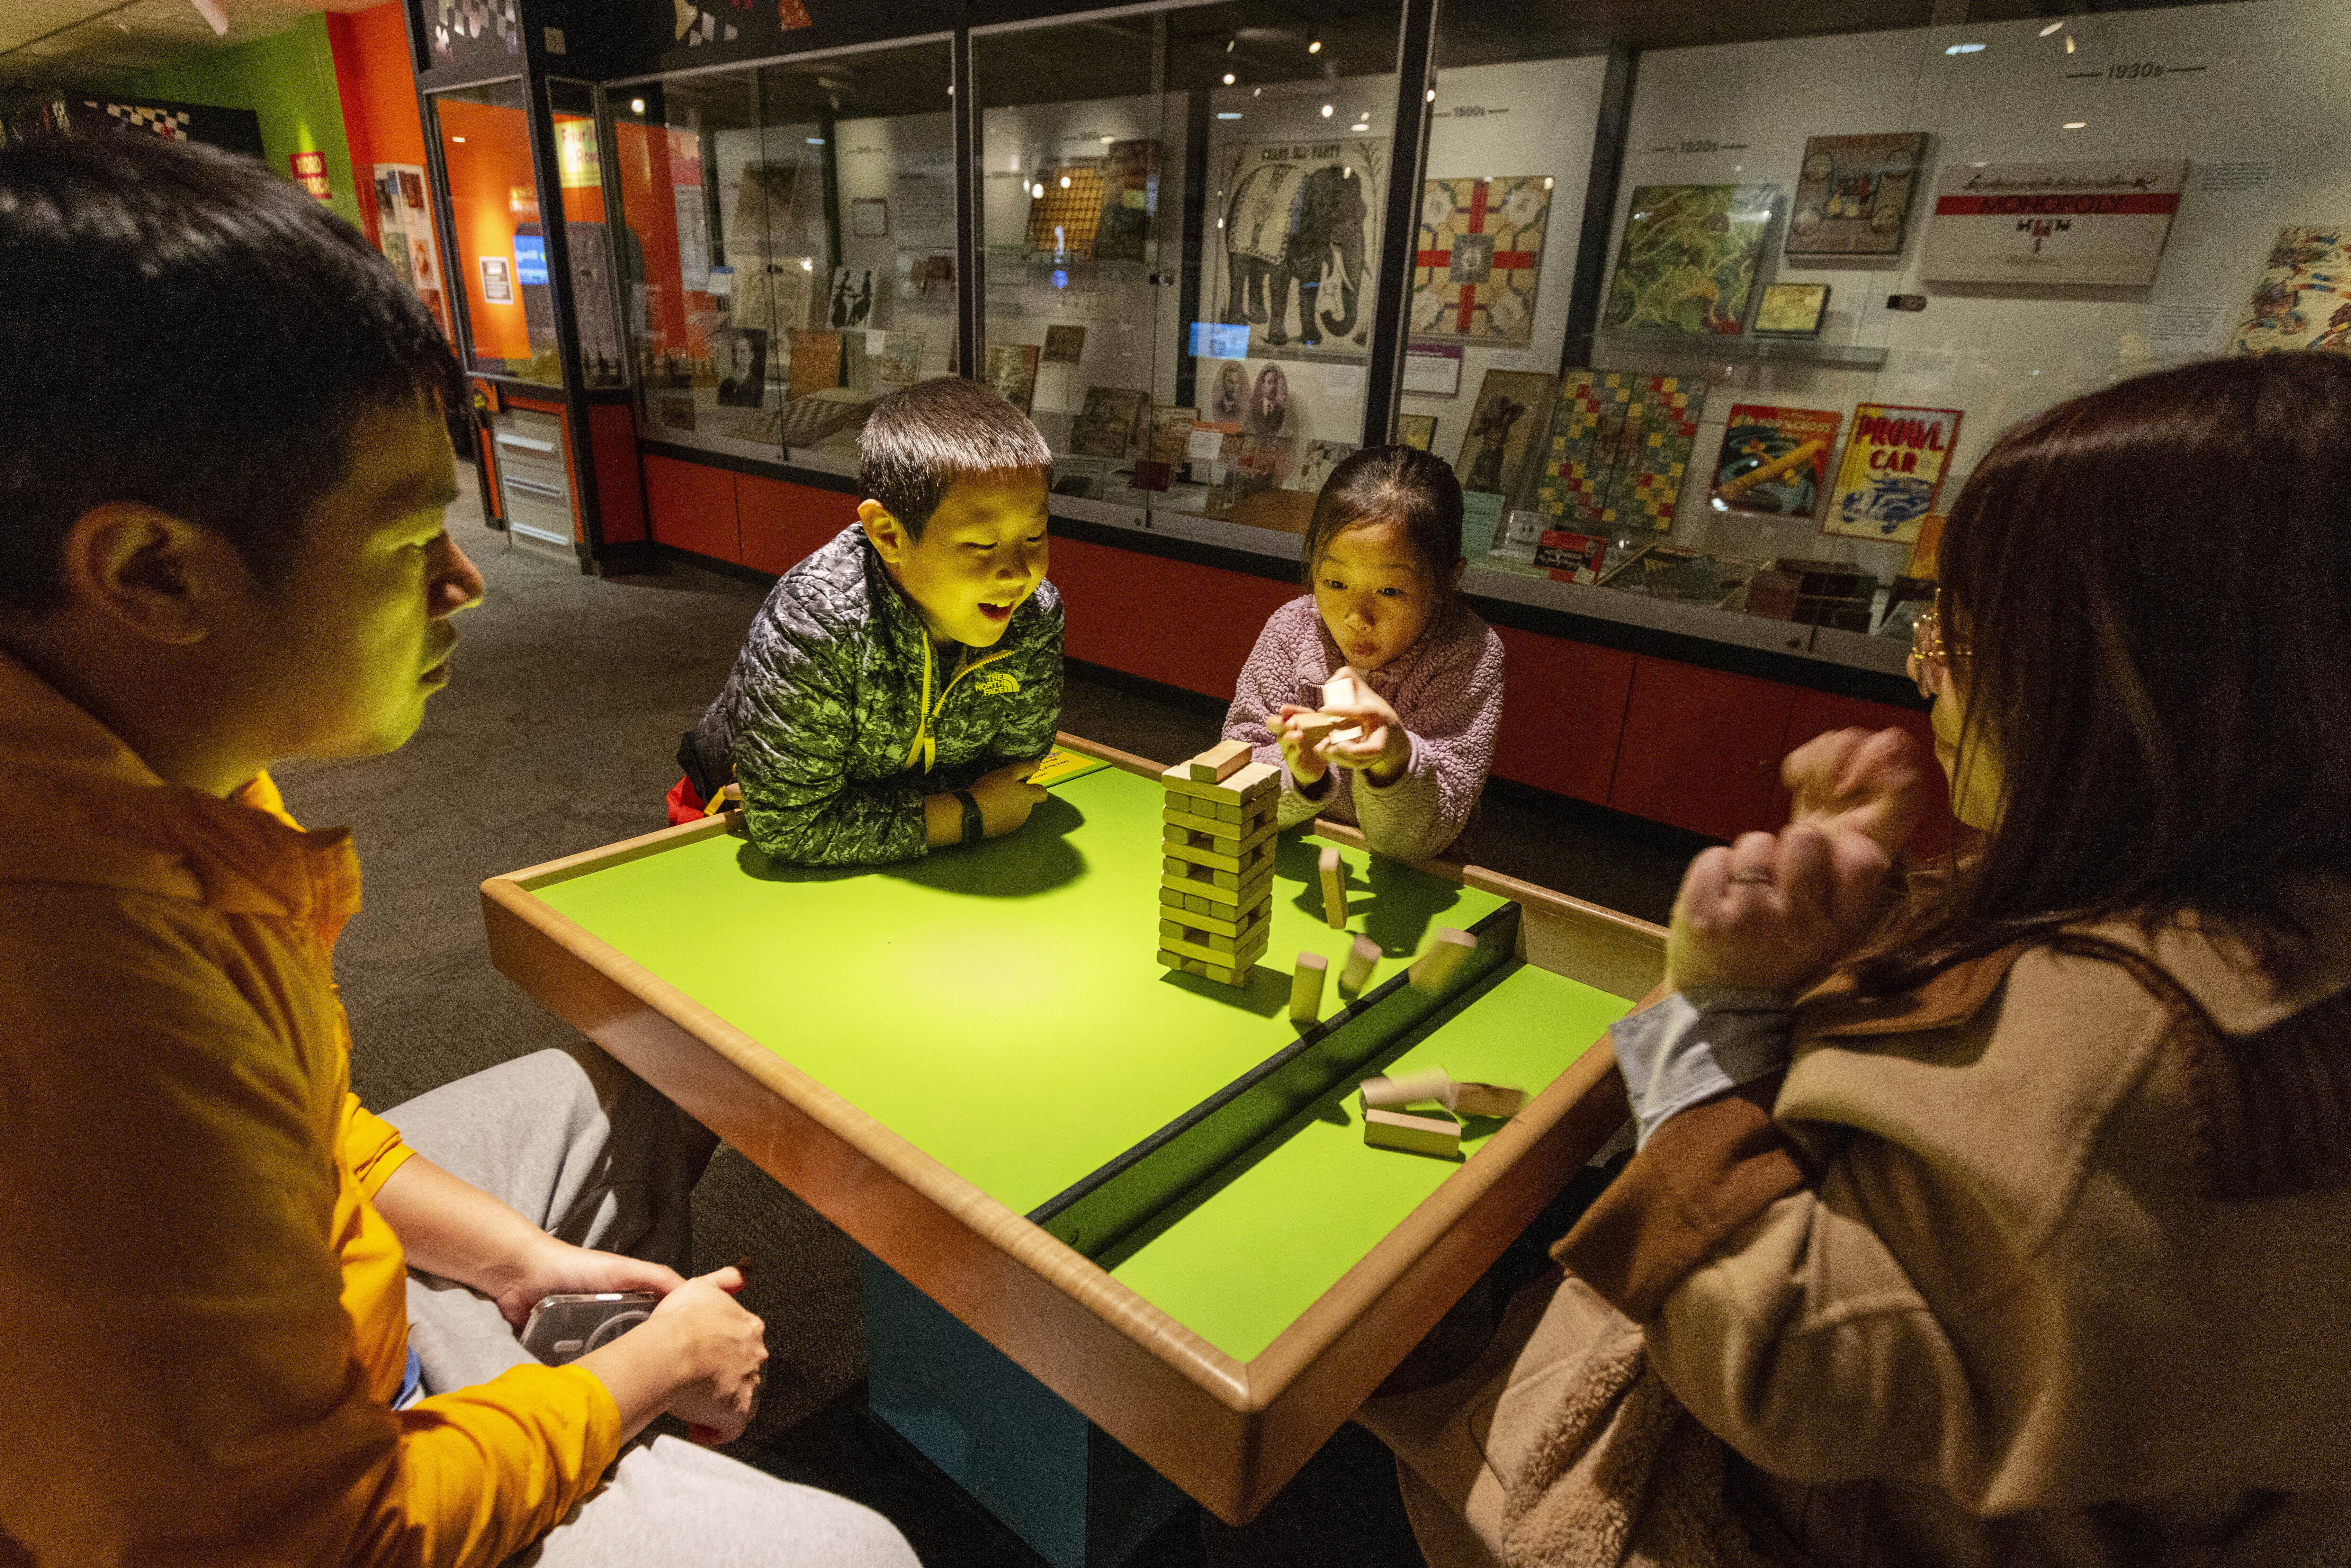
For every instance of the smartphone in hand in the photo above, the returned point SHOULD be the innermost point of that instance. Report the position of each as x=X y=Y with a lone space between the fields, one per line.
x=562 y=1328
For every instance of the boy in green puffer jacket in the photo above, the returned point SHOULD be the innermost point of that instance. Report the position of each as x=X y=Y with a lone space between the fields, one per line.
x=901 y=684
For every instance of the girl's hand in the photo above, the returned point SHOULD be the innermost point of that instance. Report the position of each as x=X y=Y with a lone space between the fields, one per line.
x=1874 y=783
x=1774 y=912
x=1305 y=762
x=1382 y=748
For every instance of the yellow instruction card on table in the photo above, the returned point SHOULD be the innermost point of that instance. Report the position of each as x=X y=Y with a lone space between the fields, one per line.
x=1061 y=764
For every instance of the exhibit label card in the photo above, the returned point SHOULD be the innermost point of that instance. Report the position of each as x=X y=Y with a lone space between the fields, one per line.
x=2103 y=222
x=1893 y=470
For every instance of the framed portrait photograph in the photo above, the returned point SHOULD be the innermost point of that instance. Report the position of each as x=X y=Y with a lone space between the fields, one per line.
x=742 y=365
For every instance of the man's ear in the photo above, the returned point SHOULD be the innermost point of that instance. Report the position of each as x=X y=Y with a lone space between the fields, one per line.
x=885 y=532
x=156 y=574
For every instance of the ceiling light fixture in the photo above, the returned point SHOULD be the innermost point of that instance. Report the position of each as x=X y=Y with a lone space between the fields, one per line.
x=2069 y=42
x=2053 y=26
x=1065 y=182
x=1228 y=79
x=1037 y=190
x=1314 y=41
x=1228 y=114
x=1326 y=112
x=1965 y=49
x=1432 y=95
x=2076 y=124
x=210 y=10
x=636 y=106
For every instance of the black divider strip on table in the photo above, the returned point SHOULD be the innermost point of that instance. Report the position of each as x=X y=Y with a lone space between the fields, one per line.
x=1097 y=1212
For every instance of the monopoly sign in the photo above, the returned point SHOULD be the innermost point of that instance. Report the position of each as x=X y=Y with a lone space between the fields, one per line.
x=2054 y=222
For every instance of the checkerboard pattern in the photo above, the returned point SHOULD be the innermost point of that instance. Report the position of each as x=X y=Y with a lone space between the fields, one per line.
x=1215 y=883
x=1620 y=448
x=1063 y=220
x=171 y=125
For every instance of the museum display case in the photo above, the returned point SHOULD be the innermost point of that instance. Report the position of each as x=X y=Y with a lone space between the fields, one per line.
x=1179 y=266
x=503 y=290
x=790 y=245
x=1833 y=266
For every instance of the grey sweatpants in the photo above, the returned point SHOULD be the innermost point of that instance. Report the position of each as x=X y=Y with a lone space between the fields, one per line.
x=586 y=1151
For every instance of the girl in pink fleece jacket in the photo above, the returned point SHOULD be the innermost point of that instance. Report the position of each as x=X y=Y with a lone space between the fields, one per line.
x=1386 y=632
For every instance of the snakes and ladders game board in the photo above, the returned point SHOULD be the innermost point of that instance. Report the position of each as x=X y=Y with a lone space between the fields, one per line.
x=1479 y=255
x=1620 y=448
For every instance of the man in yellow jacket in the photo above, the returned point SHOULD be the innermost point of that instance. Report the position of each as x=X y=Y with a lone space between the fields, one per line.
x=205 y=1240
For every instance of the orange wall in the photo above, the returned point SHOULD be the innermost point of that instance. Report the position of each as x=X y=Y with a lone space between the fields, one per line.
x=379 y=89
x=484 y=169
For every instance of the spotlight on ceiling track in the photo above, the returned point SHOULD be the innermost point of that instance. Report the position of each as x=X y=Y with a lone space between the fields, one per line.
x=1314 y=41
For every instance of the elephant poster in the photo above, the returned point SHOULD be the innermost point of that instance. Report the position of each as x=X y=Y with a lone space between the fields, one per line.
x=1299 y=216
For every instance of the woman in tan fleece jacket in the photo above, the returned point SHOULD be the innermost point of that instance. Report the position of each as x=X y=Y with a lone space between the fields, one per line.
x=2019 y=1238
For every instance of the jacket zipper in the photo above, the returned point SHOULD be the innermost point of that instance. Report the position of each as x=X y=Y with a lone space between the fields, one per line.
x=926 y=745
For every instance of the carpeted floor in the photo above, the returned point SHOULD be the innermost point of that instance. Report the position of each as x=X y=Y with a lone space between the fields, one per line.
x=556 y=735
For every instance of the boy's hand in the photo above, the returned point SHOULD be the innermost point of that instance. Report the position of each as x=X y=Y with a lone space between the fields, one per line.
x=1774 y=911
x=725 y=1346
x=1006 y=798
x=554 y=1268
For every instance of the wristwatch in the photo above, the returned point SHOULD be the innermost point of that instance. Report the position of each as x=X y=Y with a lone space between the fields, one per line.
x=975 y=826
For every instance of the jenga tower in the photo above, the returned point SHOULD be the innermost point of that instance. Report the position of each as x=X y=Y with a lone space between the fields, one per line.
x=1215 y=884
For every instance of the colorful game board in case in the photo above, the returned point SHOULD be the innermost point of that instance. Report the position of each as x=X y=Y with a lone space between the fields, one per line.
x=1774 y=460
x=1689 y=260
x=1012 y=372
x=1620 y=448
x=1893 y=471
x=1856 y=193
x=1479 y=255
x=2304 y=298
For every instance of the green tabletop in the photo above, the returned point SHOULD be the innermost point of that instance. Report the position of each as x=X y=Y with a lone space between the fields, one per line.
x=999 y=1007
x=1247 y=1254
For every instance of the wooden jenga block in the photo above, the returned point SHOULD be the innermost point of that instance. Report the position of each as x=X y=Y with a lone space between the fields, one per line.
x=1406 y=1089
x=1237 y=936
x=1216 y=885
x=1224 y=974
x=1221 y=921
x=1259 y=854
x=1361 y=959
x=1245 y=826
x=1413 y=1132
x=1441 y=960
x=1306 y=987
x=1334 y=890
x=1250 y=783
x=1484 y=1100
x=1219 y=762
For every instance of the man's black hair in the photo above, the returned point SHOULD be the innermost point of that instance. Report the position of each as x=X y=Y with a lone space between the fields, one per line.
x=180 y=327
x=919 y=440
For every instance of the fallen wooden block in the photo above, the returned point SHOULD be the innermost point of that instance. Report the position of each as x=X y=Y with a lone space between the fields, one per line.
x=1334 y=890
x=1405 y=1088
x=1441 y=960
x=1306 y=987
x=1360 y=960
x=1219 y=762
x=1484 y=1100
x=1413 y=1132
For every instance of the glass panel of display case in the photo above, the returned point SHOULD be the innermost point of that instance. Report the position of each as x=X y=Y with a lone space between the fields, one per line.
x=1180 y=261
x=502 y=284
x=789 y=239
x=1835 y=267
x=596 y=271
